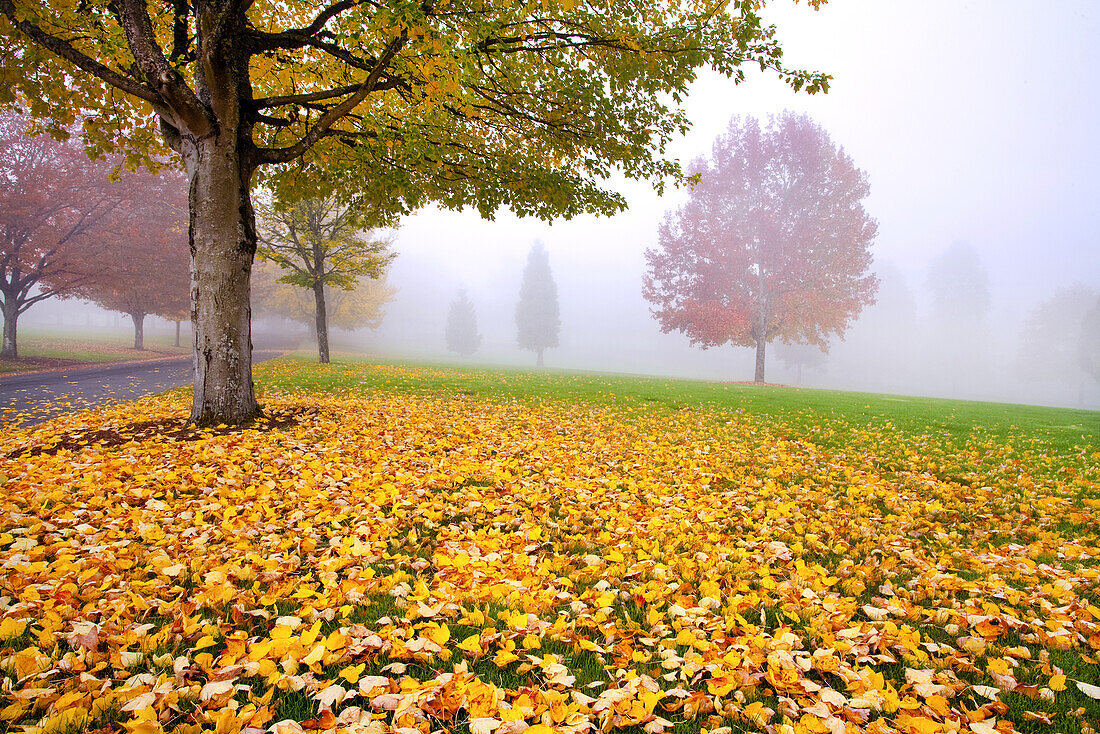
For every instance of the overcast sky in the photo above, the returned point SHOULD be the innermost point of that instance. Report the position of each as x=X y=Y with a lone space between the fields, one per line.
x=976 y=121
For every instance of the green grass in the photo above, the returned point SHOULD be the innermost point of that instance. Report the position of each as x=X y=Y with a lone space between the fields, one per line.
x=827 y=417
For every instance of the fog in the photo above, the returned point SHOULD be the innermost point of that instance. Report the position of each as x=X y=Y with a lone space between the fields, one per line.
x=975 y=122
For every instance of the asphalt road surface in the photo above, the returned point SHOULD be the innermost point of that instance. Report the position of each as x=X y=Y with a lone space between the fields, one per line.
x=33 y=398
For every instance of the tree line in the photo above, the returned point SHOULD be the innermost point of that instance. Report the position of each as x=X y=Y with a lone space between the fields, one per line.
x=70 y=227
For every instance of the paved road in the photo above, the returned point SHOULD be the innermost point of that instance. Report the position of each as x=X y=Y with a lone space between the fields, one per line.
x=33 y=398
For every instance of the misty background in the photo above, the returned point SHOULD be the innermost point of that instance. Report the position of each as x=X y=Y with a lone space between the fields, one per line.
x=975 y=122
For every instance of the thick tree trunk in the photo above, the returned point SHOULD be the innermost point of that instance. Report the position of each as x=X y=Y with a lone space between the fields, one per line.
x=321 y=322
x=177 y=332
x=759 y=377
x=538 y=362
x=223 y=243
x=139 y=330
x=11 y=316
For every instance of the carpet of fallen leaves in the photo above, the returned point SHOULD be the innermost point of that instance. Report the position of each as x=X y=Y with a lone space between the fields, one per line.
x=435 y=563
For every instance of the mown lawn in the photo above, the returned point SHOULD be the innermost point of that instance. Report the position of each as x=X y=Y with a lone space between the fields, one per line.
x=429 y=549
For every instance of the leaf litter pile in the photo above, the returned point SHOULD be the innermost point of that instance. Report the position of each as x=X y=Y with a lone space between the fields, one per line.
x=445 y=563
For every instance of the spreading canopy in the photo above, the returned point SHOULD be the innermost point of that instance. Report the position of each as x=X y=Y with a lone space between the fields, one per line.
x=523 y=105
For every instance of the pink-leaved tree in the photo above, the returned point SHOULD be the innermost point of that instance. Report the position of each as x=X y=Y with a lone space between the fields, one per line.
x=773 y=242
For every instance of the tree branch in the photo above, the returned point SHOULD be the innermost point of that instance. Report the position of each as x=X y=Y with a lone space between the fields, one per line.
x=282 y=155
x=326 y=15
x=174 y=92
x=66 y=51
x=291 y=99
x=291 y=40
x=181 y=43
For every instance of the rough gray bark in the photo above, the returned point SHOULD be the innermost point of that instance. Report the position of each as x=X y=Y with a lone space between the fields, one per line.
x=177 y=332
x=223 y=243
x=538 y=362
x=321 y=321
x=139 y=329
x=206 y=128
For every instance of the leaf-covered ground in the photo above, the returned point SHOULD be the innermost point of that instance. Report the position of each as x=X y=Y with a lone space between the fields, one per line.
x=444 y=560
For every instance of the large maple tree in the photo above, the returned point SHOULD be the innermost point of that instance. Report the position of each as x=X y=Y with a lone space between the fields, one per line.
x=774 y=242
x=523 y=105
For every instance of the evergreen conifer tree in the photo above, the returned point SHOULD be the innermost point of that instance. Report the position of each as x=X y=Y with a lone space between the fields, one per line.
x=537 y=321
x=462 y=336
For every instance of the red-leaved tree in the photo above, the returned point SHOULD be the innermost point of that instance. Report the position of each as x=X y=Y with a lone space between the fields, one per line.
x=773 y=242
x=54 y=203
x=142 y=265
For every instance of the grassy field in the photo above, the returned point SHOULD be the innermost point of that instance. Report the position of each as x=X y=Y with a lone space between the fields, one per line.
x=826 y=417
x=51 y=349
x=415 y=548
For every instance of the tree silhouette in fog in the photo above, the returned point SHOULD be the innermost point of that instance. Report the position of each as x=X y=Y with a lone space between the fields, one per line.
x=1051 y=338
x=461 y=333
x=537 y=319
x=960 y=288
x=1088 y=352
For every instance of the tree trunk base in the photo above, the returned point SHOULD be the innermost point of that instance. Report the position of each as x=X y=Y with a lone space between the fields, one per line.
x=139 y=331
x=234 y=418
x=10 y=348
x=321 y=322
